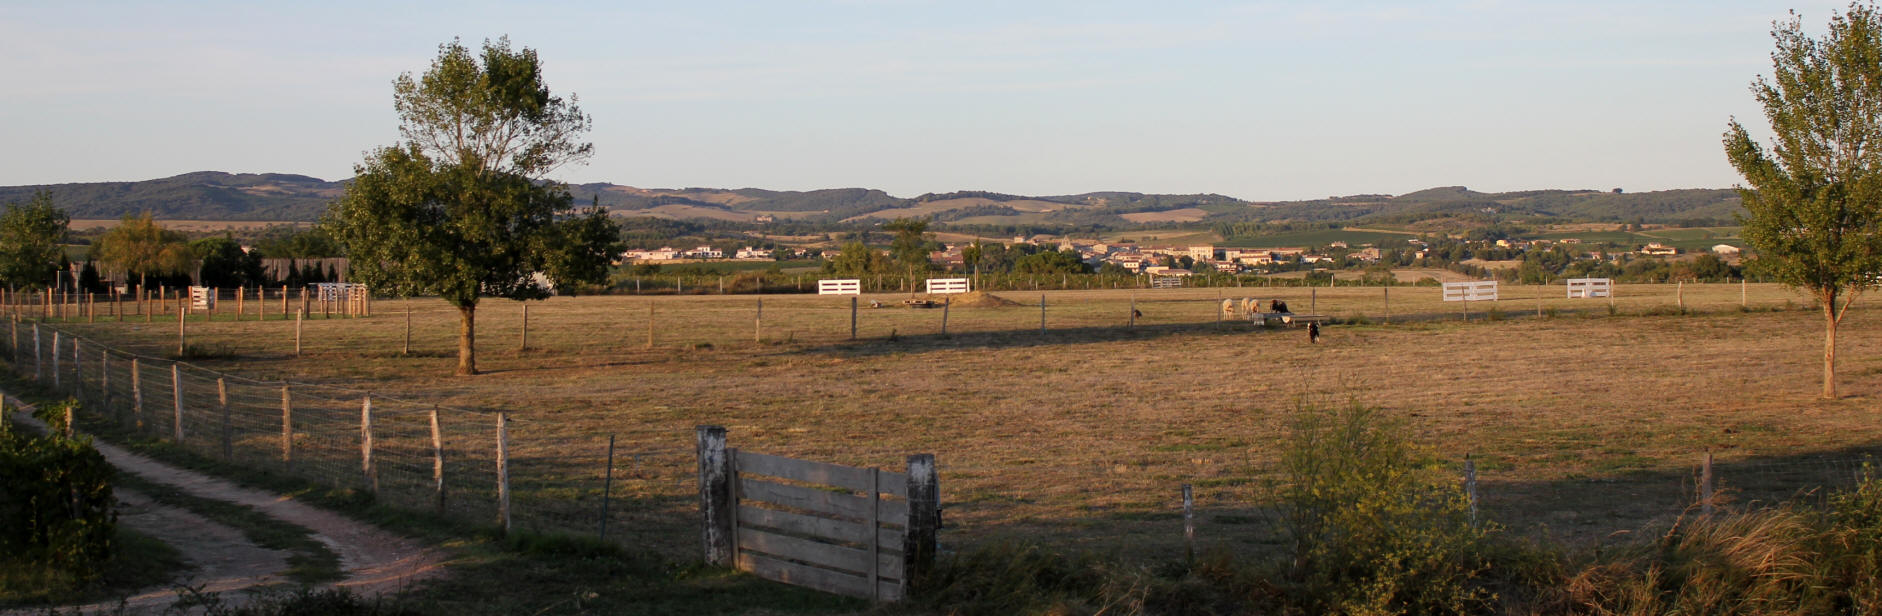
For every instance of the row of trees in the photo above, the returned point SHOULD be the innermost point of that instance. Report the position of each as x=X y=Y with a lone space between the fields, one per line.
x=32 y=253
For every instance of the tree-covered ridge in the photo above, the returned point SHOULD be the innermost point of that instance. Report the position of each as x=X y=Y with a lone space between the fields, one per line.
x=211 y=195
x=203 y=195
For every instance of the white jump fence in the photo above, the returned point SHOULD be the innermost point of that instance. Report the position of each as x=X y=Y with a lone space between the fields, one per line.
x=941 y=286
x=846 y=286
x=861 y=532
x=1479 y=291
x=1589 y=288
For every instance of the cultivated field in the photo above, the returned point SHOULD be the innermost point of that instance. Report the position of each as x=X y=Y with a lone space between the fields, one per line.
x=1582 y=423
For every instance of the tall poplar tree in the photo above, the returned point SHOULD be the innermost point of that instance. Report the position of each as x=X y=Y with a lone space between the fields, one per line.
x=1815 y=198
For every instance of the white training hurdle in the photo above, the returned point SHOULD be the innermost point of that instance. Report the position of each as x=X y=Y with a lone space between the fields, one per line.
x=846 y=286
x=202 y=299
x=1586 y=288
x=1484 y=290
x=1166 y=282
x=942 y=286
x=339 y=291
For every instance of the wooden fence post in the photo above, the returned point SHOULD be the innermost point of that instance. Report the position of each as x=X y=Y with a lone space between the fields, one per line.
x=1133 y=322
x=1679 y=295
x=1470 y=487
x=287 y=426
x=607 y=485
x=1189 y=524
x=367 y=473
x=1705 y=484
x=924 y=518
x=650 y=324
x=503 y=473
x=758 y=324
x=297 y=332
x=1042 y=314
x=852 y=317
x=1388 y=305
x=715 y=495
x=524 y=345
x=437 y=460
x=55 y=359
x=104 y=379
x=946 y=303
x=180 y=314
x=137 y=396
x=176 y=395
x=228 y=430
x=39 y=358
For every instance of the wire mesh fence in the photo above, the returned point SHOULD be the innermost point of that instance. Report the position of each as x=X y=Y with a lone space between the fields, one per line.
x=408 y=455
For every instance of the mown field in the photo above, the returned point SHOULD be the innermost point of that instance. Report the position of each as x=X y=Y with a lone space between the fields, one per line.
x=1582 y=422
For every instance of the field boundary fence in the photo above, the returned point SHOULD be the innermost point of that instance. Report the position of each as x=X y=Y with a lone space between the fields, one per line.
x=483 y=467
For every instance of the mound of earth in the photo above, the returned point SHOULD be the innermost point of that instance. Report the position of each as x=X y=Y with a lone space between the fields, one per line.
x=979 y=299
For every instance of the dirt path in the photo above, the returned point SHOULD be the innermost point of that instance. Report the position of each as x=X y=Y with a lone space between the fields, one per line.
x=375 y=561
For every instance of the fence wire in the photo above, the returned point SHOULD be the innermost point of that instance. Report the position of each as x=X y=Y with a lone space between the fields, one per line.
x=318 y=433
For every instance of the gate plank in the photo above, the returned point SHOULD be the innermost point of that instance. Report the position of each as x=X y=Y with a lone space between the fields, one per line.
x=894 y=513
x=818 y=579
x=828 y=528
x=828 y=555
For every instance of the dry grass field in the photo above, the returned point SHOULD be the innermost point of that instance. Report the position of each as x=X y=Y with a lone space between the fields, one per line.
x=1583 y=422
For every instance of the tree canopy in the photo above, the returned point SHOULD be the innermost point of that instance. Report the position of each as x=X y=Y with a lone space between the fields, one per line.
x=139 y=246
x=462 y=208
x=1815 y=198
x=30 y=237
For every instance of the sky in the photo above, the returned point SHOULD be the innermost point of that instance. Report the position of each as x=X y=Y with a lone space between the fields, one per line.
x=1255 y=100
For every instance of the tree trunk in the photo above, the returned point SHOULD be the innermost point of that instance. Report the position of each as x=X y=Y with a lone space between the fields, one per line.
x=1829 y=349
x=467 y=340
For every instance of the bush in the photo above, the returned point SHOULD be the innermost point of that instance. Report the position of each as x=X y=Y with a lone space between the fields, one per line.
x=1375 y=526
x=56 y=508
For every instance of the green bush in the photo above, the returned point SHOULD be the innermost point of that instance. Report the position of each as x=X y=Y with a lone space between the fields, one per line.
x=1376 y=527
x=56 y=508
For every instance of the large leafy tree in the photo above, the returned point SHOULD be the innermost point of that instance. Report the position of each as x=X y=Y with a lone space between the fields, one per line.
x=225 y=264
x=140 y=246
x=1815 y=198
x=462 y=207
x=30 y=234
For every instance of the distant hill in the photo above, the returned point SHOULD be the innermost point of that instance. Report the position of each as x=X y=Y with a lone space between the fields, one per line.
x=204 y=195
x=212 y=195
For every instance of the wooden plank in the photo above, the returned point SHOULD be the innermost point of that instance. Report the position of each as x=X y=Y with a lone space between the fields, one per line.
x=826 y=555
x=847 y=477
x=894 y=513
x=817 y=579
x=828 y=528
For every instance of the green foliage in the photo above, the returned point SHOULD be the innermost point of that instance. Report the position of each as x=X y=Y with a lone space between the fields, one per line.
x=1376 y=527
x=460 y=208
x=30 y=235
x=225 y=264
x=857 y=260
x=56 y=508
x=141 y=247
x=1052 y=262
x=909 y=249
x=1815 y=202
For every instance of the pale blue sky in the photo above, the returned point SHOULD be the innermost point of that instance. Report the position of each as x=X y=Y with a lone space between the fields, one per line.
x=1263 y=100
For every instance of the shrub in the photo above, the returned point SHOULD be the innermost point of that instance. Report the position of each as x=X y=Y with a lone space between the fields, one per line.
x=1761 y=562
x=55 y=502
x=1375 y=526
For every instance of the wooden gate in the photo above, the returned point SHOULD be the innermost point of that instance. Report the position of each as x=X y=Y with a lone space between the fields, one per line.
x=861 y=532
